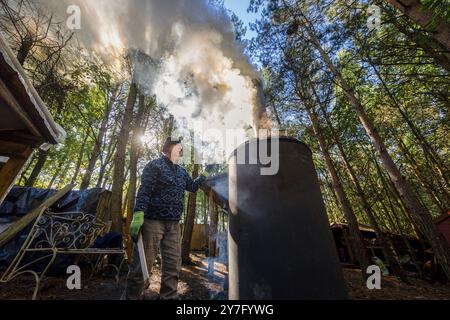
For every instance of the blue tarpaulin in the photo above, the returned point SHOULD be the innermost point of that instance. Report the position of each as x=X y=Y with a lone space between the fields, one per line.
x=22 y=200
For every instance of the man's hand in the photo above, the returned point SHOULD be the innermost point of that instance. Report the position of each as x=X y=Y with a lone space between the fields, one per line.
x=136 y=224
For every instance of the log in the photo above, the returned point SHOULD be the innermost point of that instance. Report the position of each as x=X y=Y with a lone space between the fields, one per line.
x=22 y=223
x=9 y=172
x=104 y=207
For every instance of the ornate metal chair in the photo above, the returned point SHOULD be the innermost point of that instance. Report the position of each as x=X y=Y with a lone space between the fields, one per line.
x=54 y=234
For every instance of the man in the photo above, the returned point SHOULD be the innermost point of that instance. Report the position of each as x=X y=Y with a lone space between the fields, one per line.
x=158 y=209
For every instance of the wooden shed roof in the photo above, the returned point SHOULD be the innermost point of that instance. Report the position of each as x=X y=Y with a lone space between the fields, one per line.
x=23 y=116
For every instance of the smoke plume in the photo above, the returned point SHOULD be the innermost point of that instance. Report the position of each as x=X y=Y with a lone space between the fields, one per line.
x=199 y=71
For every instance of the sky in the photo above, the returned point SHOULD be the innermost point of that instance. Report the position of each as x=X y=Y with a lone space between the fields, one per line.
x=239 y=7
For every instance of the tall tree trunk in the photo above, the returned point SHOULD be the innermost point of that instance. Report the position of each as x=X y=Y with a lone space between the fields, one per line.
x=79 y=160
x=42 y=158
x=418 y=212
x=205 y=206
x=58 y=171
x=213 y=220
x=330 y=198
x=23 y=179
x=277 y=115
x=427 y=19
x=107 y=180
x=98 y=143
x=386 y=245
x=63 y=175
x=189 y=221
x=119 y=161
x=338 y=205
x=107 y=159
x=392 y=193
x=168 y=126
x=429 y=187
x=125 y=209
x=395 y=221
x=356 y=241
x=138 y=131
x=43 y=154
x=393 y=210
x=101 y=175
x=427 y=148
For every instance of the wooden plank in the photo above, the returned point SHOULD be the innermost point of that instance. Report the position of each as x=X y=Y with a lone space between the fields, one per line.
x=213 y=219
x=14 y=149
x=348 y=245
x=8 y=98
x=9 y=172
x=21 y=137
x=19 y=225
x=104 y=207
x=28 y=100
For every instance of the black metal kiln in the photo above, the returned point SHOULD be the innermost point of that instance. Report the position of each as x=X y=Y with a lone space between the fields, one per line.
x=280 y=243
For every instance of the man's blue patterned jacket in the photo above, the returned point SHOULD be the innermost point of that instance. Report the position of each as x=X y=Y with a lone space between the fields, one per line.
x=161 y=194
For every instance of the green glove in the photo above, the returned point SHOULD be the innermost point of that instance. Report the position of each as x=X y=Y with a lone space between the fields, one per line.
x=205 y=174
x=136 y=224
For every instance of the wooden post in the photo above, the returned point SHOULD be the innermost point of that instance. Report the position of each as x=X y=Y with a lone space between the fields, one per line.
x=348 y=245
x=10 y=171
x=189 y=222
x=213 y=217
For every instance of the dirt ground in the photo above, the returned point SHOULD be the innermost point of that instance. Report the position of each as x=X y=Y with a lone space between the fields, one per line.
x=197 y=283
x=394 y=289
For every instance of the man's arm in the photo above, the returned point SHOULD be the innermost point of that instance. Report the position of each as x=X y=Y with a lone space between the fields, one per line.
x=148 y=181
x=194 y=185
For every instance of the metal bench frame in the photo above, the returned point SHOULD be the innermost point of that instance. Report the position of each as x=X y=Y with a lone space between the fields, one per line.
x=62 y=233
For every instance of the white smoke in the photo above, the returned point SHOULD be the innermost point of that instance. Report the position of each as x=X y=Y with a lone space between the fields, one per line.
x=202 y=71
